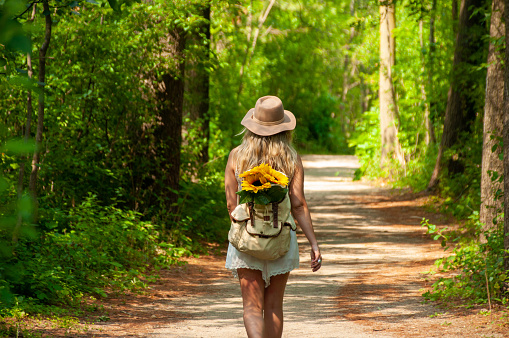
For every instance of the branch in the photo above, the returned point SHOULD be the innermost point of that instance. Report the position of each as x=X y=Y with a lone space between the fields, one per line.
x=249 y=54
x=28 y=8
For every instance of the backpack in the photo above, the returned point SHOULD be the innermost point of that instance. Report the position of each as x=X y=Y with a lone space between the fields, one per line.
x=262 y=231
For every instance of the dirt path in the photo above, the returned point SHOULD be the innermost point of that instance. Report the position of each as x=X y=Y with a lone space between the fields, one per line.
x=374 y=253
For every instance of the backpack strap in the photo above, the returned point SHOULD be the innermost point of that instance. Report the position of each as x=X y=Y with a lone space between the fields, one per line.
x=251 y=215
x=274 y=214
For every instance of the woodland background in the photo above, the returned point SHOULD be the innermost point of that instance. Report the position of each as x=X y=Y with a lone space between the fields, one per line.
x=118 y=116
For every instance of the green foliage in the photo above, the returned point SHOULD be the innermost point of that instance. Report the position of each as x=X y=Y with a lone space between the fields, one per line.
x=101 y=246
x=366 y=141
x=275 y=194
x=473 y=267
x=201 y=214
x=297 y=57
x=102 y=180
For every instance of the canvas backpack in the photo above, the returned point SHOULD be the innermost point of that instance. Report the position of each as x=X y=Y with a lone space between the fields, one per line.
x=262 y=231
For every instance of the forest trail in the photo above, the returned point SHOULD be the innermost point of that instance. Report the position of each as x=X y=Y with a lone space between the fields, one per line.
x=375 y=254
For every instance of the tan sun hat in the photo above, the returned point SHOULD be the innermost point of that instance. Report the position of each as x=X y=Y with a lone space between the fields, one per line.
x=268 y=117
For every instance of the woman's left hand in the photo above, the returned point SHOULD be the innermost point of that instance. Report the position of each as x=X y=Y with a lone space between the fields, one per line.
x=316 y=259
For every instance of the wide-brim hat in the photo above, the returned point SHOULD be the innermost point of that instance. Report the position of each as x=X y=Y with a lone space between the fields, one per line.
x=268 y=117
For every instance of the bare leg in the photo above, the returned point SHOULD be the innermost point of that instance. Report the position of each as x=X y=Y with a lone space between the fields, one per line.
x=252 y=287
x=273 y=306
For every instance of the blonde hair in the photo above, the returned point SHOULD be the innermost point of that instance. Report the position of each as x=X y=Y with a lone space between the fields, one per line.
x=275 y=150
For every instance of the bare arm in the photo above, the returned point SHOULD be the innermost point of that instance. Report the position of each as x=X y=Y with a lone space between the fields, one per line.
x=300 y=212
x=230 y=183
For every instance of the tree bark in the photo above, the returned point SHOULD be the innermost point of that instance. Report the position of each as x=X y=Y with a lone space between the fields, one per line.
x=388 y=106
x=198 y=85
x=506 y=142
x=40 y=109
x=347 y=109
x=491 y=205
x=454 y=15
x=461 y=102
x=169 y=132
x=21 y=176
x=205 y=88
x=431 y=70
x=430 y=135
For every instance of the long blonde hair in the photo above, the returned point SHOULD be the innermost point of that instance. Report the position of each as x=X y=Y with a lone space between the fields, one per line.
x=275 y=150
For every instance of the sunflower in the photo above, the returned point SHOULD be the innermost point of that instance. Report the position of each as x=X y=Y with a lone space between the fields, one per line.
x=261 y=177
x=255 y=182
x=256 y=170
x=276 y=177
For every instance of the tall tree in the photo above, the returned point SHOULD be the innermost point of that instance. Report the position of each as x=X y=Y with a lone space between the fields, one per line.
x=431 y=104
x=159 y=143
x=461 y=100
x=198 y=81
x=506 y=140
x=492 y=166
x=171 y=96
x=40 y=108
x=387 y=96
x=21 y=176
x=455 y=15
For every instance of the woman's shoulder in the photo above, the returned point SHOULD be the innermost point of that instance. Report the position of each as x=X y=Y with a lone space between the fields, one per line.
x=232 y=158
x=233 y=152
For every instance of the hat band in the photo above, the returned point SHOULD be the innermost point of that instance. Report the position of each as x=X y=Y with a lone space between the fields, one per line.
x=265 y=123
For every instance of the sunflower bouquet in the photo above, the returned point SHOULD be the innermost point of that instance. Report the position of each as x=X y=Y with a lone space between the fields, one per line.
x=263 y=185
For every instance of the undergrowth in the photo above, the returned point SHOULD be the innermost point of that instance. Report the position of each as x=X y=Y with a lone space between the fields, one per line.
x=475 y=270
x=94 y=249
x=99 y=247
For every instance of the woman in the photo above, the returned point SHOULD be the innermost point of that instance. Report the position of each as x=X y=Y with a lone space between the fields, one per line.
x=267 y=139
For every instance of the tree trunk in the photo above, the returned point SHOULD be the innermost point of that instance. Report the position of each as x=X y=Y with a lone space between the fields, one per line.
x=197 y=85
x=506 y=142
x=461 y=101
x=21 y=176
x=491 y=205
x=250 y=51
x=387 y=97
x=204 y=89
x=347 y=113
x=431 y=70
x=169 y=133
x=40 y=108
x=429 y=136
x=454 y=15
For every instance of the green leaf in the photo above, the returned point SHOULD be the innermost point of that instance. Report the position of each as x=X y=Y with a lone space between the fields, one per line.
x=261 y=198
x=245 y=196
x=115 y=5
x=93 y=2
x=276 y=193
x=3 y=62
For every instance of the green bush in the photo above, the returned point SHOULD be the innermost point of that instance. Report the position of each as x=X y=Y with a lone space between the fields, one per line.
x=100 y=246
x=202 y=212
x=473 y=267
